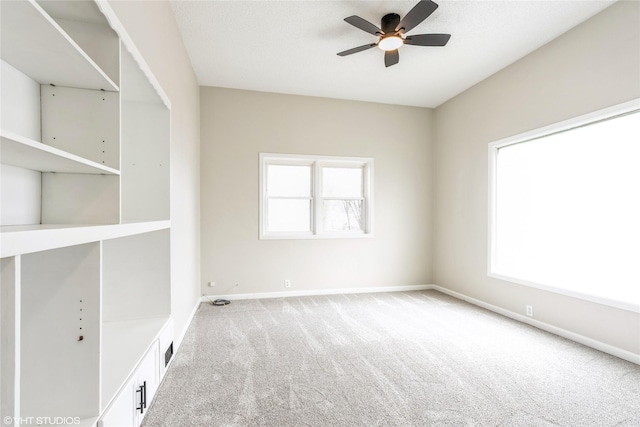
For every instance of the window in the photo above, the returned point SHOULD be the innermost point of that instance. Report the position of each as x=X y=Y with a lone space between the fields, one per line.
x=315 y=196
x=565 y=208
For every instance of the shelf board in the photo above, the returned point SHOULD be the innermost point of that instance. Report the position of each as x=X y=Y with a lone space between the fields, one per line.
x=16 y=150
x=124 y=343
x=24 y=239
x=27 y=28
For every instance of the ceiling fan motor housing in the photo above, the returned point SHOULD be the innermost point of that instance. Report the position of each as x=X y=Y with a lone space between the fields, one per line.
x=389 y=23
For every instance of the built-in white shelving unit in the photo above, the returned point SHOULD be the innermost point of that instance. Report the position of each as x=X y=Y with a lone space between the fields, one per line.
x=85 y=295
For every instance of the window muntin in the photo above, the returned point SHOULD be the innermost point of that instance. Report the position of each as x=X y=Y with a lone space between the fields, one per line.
x=315 y=196
x=565 y=209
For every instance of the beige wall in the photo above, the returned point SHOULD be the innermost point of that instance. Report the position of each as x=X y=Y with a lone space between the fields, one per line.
x=591 y=67
x=152 y=27
x=238 y=125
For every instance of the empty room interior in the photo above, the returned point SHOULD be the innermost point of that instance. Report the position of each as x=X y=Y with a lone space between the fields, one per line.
x=320 y=213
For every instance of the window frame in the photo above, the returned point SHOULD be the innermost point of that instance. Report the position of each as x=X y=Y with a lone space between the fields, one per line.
x=317 y=163
x=492 y=228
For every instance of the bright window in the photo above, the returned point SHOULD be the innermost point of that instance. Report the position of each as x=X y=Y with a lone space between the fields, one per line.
x=565 y=208
x=315 y=196
x=289 y=198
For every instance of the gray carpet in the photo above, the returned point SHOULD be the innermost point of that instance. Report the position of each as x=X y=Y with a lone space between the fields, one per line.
x=388 y=359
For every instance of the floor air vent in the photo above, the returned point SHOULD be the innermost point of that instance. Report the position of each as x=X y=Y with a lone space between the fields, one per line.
x=168 y=354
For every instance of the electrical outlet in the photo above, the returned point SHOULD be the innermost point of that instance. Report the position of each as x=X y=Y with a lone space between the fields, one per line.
x=212 y=284
x=530 y=310
x=287 y=283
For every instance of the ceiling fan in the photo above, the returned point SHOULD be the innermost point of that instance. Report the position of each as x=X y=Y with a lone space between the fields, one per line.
x=392 y=32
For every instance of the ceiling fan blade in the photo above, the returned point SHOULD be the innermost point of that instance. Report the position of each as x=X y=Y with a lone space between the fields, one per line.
x=391 y=57
x=419 y=13
x=364 y=25
x=428 y=39
x=356 y=49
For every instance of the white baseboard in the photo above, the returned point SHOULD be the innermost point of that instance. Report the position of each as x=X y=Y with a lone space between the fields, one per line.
x=589 y=342
x=285 y=294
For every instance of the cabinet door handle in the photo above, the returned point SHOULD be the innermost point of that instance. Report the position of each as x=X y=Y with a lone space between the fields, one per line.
x=143 y=397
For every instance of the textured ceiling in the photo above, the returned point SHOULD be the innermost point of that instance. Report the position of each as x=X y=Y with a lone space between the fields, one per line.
x=290 y=46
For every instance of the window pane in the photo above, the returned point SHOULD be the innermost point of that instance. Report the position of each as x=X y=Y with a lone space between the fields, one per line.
x=342 y=215
x=342 y=182
x=289 y=215
x=568 y=211
x=288 y=181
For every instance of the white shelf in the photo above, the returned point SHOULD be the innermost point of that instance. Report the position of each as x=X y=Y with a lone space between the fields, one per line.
x=124 y=344
x=27 y=28
x=24 y=239
x=26 y=153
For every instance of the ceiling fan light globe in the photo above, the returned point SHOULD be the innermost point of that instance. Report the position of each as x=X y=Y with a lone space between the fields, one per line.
x=390 y=43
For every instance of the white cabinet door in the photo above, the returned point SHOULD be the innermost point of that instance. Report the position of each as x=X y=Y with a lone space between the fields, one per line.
x=146 y=382
x=120 y=413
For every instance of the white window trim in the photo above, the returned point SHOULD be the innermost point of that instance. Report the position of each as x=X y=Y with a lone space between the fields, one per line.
x=493 y=147
x=318 y=162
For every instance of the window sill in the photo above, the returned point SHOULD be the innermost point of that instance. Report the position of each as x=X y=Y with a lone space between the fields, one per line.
x=341 y=236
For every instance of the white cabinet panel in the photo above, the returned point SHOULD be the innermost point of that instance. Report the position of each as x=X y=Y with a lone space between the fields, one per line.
x=147 y=382
x=137 y=277
x=120 y=413
x=19 y=196
x=145 y=147
x=60 y=332
x=69 y=198
x=10 y=337
x=82 y=122
x=20 y=112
